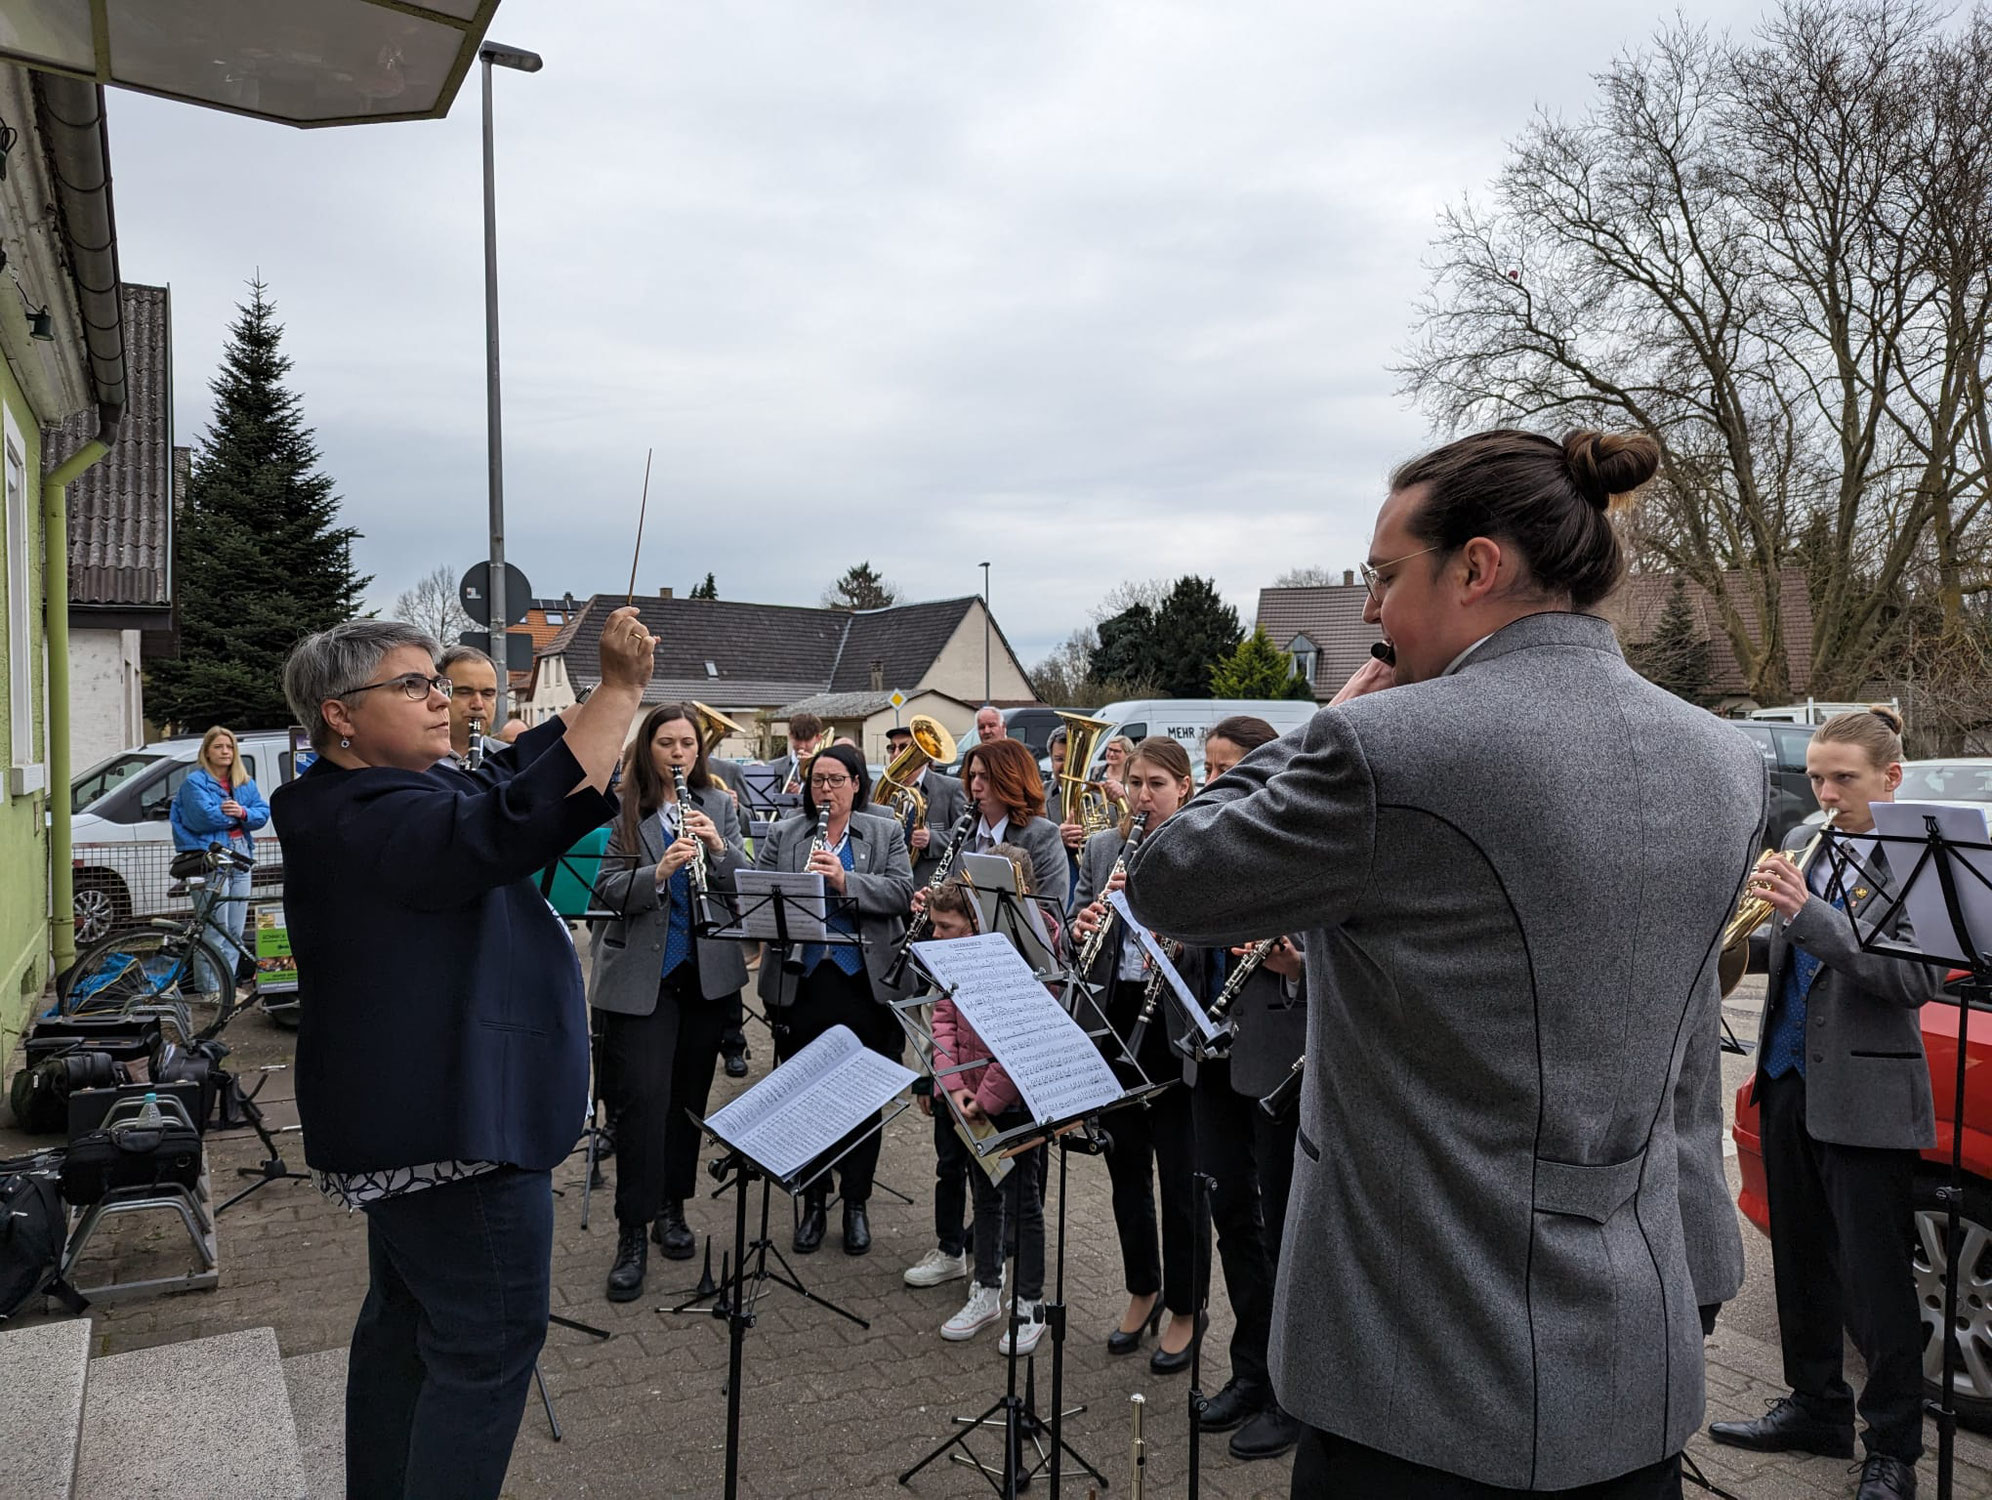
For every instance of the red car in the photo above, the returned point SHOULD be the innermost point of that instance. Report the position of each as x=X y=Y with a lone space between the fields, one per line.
x=1974 y=1293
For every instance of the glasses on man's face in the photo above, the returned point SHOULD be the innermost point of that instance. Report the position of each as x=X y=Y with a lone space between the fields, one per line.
x=414 y=686
x=1373 y=578
x=828 y=783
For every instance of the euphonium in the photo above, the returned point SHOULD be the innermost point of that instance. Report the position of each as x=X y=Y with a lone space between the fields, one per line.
x=1079 y=800
x=895 y=794
x=1753 y=911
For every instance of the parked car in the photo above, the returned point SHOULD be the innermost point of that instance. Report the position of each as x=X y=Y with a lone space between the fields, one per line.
x=1783 y=749
x=1188 y=720
x=123 y=845
x=1033 y=726
x=1940 y=1029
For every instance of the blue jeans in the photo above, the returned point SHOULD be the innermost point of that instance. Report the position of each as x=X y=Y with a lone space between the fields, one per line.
x=443 y=1352
x=224 y=921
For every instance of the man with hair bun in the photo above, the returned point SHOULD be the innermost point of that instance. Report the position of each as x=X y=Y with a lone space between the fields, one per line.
x=1843 y=1093
x=1508 y=859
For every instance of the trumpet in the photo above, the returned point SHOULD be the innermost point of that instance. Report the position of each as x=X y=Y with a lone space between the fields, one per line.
x=895 y=794
x=1091 y=949
x=1753 y=911
x=695 y=870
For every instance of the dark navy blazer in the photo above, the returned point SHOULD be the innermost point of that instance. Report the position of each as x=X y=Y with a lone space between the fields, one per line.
x=441 y=1010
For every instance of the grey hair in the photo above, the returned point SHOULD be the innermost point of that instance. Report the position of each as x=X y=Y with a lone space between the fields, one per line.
x=338 y=660
x=459 y=653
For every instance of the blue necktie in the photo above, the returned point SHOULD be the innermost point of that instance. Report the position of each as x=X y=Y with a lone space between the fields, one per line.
x=843 y=955
x=1785 y=1052
x=678 y=932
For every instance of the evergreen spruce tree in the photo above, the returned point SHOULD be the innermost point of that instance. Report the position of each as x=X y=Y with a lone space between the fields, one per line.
x=861 y=587
x=259 y=558
x=1194 y=630
x=706 y=590
x=1676 y=656
x=1258 y=669
x=1123 y=656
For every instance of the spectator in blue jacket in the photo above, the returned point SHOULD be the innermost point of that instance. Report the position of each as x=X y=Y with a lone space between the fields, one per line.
x=218 y=804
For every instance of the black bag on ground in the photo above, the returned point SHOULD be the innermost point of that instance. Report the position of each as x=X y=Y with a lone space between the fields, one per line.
x=34 y=1228
x=39 y=1094
x=130 y=1155
x=199 y=1064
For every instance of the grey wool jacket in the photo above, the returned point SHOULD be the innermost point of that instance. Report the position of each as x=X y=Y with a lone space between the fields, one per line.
x=1510 y=881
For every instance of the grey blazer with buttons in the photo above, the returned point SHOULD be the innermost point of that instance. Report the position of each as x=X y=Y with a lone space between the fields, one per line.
x=627 y=957
x=881 y=880
x=1511 y=882
x=1867 y=1081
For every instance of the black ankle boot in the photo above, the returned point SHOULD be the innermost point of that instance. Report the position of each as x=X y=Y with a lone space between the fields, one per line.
x=809 y=1229
x=632 y=1259
x=674 y=1234
x=857 y=1229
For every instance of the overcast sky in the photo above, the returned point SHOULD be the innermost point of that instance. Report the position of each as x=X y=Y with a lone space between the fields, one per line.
x=1095 y=291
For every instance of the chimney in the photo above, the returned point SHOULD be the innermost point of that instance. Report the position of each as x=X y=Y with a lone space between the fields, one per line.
x=663 y=593
x=878 y=676
x=1348 y=578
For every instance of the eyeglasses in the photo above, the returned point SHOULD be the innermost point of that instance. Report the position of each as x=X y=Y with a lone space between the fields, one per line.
x=1373 y=576
x=414 y=687
x=825 y=783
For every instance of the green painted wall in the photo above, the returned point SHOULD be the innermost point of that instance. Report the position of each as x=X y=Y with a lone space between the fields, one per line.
x=23 y=837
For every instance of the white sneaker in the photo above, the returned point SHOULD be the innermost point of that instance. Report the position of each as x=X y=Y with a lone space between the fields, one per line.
x=1028 y=1328
x=984 y=1307
x=935 y=1267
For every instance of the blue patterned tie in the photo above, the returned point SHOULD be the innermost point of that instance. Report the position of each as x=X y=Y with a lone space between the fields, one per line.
x=844 y=955
x=678 y=934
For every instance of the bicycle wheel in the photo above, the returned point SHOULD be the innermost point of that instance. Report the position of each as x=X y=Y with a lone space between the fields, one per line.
x=143 y=967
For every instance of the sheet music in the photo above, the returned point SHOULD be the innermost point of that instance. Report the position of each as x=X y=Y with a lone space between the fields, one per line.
x=803 y=906
x=1159 y=955
x=1060 y=1074
x=809 y=1103
x=1019 y=918
x=1935 y=933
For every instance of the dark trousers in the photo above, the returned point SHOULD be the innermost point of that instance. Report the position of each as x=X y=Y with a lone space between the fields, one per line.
x=1239 y=1148
x=1155 y=1142
x=1842 y=1223
x=443 y=1351
x=998 y=1211
x=952 y=1163
x=826 y=997
x=1326 y=1467
x=654 y=1068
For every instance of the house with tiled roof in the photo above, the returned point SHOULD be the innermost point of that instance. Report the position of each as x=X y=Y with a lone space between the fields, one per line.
x=1323 y=630
x=760 y=663
x=121 y=543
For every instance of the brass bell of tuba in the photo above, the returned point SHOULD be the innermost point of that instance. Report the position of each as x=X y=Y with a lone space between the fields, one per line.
x=895 y=795
x=714 y=726
x=1079 y=800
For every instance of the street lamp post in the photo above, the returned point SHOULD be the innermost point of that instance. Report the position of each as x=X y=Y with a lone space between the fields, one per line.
x=500 y=615
x=985 y=632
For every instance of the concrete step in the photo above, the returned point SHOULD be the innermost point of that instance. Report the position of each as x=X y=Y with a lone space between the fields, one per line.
x=191 y=1421
x=317 y=1385
x=43 y=1372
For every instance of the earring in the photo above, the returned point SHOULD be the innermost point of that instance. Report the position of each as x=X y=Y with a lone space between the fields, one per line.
x=344 y=743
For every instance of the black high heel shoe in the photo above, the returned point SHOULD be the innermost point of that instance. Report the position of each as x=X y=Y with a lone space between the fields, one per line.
x=1164 y=1363
x=1121 y=1342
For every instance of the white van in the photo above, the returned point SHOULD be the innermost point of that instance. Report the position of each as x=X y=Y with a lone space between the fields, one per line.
x=1188 y=720
x=123 y=843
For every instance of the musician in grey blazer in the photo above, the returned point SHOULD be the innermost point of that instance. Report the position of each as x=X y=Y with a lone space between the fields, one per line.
x=805 y=737
x=1843 y=1095
x=817 y=986
x=1511 y=858
x=946 y=801
x=1003 y=785
x=664 y=995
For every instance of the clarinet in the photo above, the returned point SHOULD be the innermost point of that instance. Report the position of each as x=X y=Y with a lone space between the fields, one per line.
x=473 y=755
x=1280 y=1102
x=923 y=923
x=821 y=843
x=1151 y=998
x=1234 y=984
x=1096 y=944
x=695 y=871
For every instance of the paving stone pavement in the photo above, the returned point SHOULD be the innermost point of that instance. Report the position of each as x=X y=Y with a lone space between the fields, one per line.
x=828 y=1408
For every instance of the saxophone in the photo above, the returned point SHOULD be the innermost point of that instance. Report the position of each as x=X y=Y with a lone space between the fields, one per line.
x=1096 y=944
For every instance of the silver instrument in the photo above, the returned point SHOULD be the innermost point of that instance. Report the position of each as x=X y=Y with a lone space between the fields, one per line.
x=1096 y=944
x=1138 y=1452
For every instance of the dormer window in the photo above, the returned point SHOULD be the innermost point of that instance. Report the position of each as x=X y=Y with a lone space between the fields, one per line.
x=1306 y=656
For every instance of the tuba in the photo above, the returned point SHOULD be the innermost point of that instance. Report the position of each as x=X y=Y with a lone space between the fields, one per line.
x=1079 y=800
x=1753 y=912
x=713 y=727
x=895 y=795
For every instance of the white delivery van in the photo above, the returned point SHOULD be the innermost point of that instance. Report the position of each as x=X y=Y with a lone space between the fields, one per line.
x=1188 y=720
x=123 y=843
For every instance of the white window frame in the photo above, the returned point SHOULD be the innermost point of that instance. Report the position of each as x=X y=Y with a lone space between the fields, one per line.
x=26 y=772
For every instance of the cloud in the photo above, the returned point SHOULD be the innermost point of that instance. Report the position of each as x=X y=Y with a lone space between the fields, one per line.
x=1092 y=291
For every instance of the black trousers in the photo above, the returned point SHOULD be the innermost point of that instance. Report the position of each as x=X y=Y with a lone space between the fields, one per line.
x=1842 y=1224
x=1326 y=1467
x=1155 y=1143
x=1249 y=1158
x=826 y=997
x=952 y=1164
x=654 y=1068
x=998 y=1212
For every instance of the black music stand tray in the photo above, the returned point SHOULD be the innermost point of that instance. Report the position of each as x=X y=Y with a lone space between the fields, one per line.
x=1941 y=855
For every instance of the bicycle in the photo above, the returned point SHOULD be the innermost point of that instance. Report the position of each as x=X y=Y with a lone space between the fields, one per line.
x=166 y=964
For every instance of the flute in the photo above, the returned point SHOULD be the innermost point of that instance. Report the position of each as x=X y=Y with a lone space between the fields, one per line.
x=1138 y=1456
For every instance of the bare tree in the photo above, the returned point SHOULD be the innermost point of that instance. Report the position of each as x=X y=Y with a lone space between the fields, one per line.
x=1770 y=254
x=1310 y=577
x=433 y=604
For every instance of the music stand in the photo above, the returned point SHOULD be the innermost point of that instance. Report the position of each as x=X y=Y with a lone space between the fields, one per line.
x=768 y=1139
x=1953 y=891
